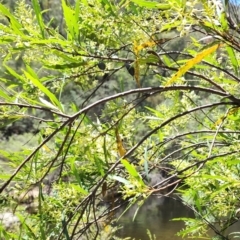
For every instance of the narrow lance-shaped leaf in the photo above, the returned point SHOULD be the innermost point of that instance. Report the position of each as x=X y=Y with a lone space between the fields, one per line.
x=120 y=179
x=65 y=66
x=37 y=11
x=152 y=4
x=223 y=20
x=108 y=6
x=3 y=94
x=136 y=49
x=71 y=20
x=14 y=73
x=130 y=168
x=191 y=63
x=233 y=59
x=132 y=171
x=170 y=26
x=16 y=26
x=47 y=103
x=33 y=78
x=25 y=225
x=65 y=230
x=121 y=150
x=77 y=12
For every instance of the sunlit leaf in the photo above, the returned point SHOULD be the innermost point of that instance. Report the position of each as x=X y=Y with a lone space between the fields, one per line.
x=130 y=168
x=71 y=20
x=33 y=78
x=170 y=26
x=233 y=59
x=65 y=66
x=37 y=11
x=120 y=179
x=16 y=25
x=152 y=4
x=191 y=63
x=109 y=6
x=223 y=20
x=47 y=103
x=121 y=150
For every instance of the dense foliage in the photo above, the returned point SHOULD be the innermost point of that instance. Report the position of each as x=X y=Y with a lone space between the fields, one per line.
x=109 y=93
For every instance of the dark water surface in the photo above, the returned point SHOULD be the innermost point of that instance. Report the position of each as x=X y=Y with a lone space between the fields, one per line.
x=156 y=215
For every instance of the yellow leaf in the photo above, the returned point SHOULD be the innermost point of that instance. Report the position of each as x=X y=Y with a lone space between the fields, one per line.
x=146 y=44
x=46 y=148
x=191 y=63
x=135 y=48
x=137 y=73
x=219 y=121
x=121 y=149
x=107 y=228
x=141 y=162
x=152 y=43
x=230 y=112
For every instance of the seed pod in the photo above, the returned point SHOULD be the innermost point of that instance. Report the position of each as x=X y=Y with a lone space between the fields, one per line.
x=102 y=65
x=130 y=69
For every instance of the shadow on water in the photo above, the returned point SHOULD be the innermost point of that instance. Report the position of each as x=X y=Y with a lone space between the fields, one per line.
x=156 y=215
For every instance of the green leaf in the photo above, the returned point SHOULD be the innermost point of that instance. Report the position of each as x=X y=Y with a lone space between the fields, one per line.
x=32 y=76
x=170 y=26
x=66 y=57
x=25 y=225
x=75 y=172
x=108 y=6
x=14 y=73
x=6 y=39
x=4 y=176
x=132 y=171
x=4 y=95
x=99 y=165
x=148 y=4
x=76 y=27
x=130 y=168
x=224 y=21
x=233 y=59
x=71 y=18
x=157 y=113
x=38 y=13
x=44 y=42
x=65 y=230
x=150 y=59
x=79 y=188
x=65 y=66
x=16 y=26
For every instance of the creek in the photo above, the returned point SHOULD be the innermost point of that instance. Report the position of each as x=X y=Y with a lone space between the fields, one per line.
x=156 y=215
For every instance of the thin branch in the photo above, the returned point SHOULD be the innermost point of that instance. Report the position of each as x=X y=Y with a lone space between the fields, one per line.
x=21 y=105
x=216 y=133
